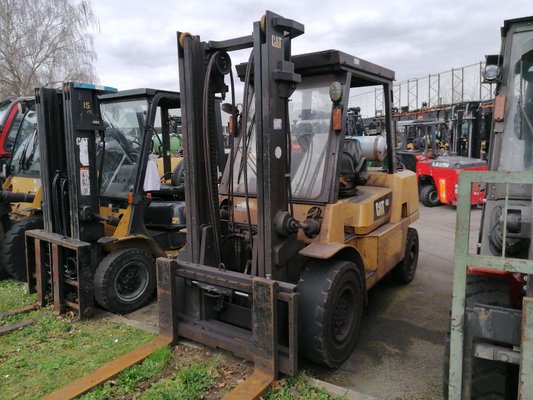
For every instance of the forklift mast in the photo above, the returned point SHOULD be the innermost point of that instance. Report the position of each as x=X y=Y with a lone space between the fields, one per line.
x=70 y=124
x=273 y=82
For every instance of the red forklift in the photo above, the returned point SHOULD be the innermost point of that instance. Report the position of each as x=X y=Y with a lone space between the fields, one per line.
x=431 y=149
x=11 y=114
x=438 y=179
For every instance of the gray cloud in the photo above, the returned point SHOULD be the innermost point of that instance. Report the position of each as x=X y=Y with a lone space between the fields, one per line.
x=136 y=45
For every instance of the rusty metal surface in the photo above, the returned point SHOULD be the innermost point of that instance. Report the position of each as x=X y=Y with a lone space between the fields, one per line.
x=173 y=321
x=20 y=310
x=234 y=280
x=14 y=327
x=165 y=300
x=46 y=256
x=293 y=335
x=57 y=280
x=265 y=315
x=495 y=325
x=61 y=240
x=252 y=387
x=526 y=363
x=107 y=371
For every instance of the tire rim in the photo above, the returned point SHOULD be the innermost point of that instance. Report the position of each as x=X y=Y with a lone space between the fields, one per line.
x=131 y=282
x=343 y=315
x=434 y=197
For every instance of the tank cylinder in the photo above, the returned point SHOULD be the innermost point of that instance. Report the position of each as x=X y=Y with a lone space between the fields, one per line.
x=374 y=147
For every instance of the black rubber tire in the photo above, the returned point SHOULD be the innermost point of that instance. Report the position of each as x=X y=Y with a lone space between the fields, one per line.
x=14 y=246
x=330 y=308
x=3 y=273
x=429 y=196
x=139 y=266
x=491 y=380
x=404 y=272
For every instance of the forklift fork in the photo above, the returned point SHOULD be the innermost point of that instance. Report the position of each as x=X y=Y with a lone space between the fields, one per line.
x=47 y=255
x=261 y=345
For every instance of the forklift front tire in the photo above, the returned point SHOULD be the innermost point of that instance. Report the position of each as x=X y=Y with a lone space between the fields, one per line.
x=330 y=308
x=429 y=196
x=125 y=280
x=3 y=272
x=14 y=246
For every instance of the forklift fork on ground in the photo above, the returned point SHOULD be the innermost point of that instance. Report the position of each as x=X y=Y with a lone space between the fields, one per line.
x=260 y=345
x=16 y=311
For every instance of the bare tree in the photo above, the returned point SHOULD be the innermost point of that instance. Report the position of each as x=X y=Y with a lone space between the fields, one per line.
x=44 y=43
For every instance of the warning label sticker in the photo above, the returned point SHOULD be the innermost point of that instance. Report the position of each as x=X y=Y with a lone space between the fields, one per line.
x=85 y=183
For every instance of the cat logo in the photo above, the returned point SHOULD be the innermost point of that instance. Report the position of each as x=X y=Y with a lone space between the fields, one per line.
x=382 y=206
x=276 y=42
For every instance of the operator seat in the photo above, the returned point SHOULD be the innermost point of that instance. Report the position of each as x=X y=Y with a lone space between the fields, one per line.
x=353 y=170
x=175 y=190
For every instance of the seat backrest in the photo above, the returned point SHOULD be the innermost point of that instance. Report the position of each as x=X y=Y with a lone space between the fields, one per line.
x=353 y=171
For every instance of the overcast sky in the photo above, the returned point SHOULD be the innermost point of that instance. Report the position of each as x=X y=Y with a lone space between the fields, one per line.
x=136 y=43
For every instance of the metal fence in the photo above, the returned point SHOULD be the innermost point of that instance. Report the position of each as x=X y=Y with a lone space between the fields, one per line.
x=449 y=87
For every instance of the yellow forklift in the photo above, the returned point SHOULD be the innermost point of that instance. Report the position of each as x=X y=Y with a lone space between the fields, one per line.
x=112 y=197
x=20 y=197
x=281 y=253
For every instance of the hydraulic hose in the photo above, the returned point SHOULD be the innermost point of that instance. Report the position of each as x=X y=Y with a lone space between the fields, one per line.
x=210 y=171
x=247 y=132
x=16 y=197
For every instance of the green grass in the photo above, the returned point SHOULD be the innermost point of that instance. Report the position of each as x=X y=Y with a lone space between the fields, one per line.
x=190 y=382
x=154 y=378
x=14 y=295
x=130 y=381
x=40 y=358
x=298 y=388
x=55 y=350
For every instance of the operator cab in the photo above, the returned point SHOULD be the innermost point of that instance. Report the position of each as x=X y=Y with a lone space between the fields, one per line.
x=140 y=158
x=321 y=138
x=421 y=140
x=511 y=143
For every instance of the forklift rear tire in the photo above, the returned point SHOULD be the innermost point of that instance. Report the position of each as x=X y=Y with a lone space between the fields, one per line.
x=14 y=246
x=429 y=196
x=125 y=280
x=330 y=308
x=3 y=272
x=405 y=271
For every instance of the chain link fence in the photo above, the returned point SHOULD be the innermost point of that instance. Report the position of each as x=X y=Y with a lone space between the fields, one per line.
x=454 y=86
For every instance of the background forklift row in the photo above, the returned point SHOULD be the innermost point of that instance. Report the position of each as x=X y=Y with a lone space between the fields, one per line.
x=296 y=210
x=298 y=228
